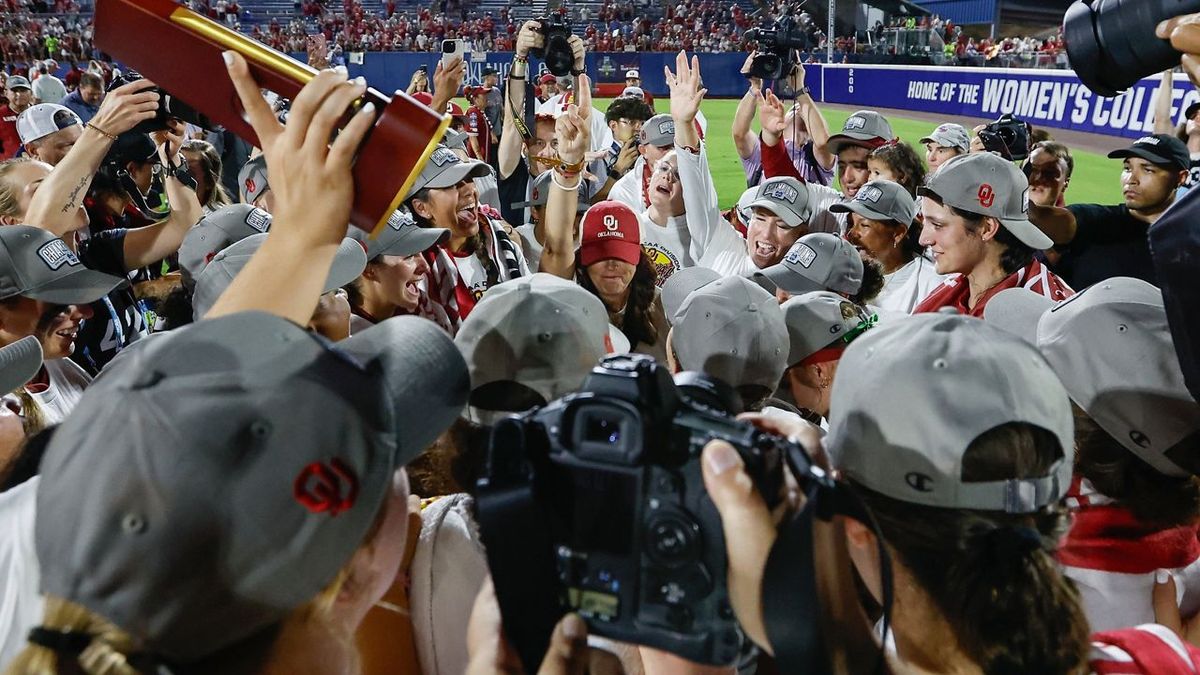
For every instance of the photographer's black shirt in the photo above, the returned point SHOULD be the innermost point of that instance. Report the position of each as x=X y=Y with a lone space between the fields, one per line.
x=1109 y=242
x=118 y=318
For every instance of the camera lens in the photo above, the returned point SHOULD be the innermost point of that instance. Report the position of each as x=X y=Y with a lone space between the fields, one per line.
x=1112 y=45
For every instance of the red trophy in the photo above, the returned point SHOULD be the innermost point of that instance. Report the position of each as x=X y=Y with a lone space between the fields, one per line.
x=180 y=51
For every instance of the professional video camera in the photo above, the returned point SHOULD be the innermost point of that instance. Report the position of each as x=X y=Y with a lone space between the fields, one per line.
x=556 y=53
x=1007 y=136
x=777 y=48
x=168 y=107
x=1112 y=43
x=595 y=503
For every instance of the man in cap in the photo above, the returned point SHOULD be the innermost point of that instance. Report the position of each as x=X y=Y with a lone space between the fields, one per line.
x=633 y=79
x=491 y=81
x=48 y=131
x=782 y=213
x=947 y=141
x=1107 y=241
x=47 y=88
x=733 y=330
x=478 y=126
x=817 y=262
x=547 y=87
x=862 y=132
x=253 y=185
x=20 y=97
x=977 y=227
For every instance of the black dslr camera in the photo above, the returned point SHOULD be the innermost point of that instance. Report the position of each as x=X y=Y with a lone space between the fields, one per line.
x=168 y=107
x=556 y=53
x=777 y=47
x=1007 y=136
x=595 y=503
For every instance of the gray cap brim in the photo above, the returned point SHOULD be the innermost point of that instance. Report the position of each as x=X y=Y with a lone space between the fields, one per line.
x=835 y=144
x=348 y=264
x=681 y=284
x=1028 y=234
x=861 y=209
x=80 y=287
x=788 y=280
x=454 y=175
x=425 y=374
x=1017 y=311
x=416 y=240
x=788 y=216
x=19 y=362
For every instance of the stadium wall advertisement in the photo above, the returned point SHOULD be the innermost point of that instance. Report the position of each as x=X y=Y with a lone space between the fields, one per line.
x=1051 y=98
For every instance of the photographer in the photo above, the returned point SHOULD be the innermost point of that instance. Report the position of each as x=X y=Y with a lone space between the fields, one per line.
x=804 y=132
x=1110 y=241
x=525 y=150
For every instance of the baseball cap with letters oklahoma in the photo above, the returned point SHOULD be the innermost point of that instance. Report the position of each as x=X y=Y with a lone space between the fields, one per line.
x=610 y=231
x=817 y=262
x=988 y=185
x=1160 y=149
x=786 y=197
x=865 y=128
x=220 y=476
x=36 y=264
x=928 y=371
x=881 y=200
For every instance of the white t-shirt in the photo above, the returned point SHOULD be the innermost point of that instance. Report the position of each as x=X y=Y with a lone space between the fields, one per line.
x=67 y=383
x=20 y=602
x=530 y=246
x=905 y=288
x=666 y=246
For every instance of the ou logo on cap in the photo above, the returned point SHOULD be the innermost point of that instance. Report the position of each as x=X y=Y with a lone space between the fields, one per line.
x=329 y=487
x=987 y=196
x=610 y=223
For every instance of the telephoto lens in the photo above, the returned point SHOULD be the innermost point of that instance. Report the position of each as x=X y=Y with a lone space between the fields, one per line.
x=1112 y=45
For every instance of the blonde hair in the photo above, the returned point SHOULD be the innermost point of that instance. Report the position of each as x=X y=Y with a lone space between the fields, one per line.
x=8 y=191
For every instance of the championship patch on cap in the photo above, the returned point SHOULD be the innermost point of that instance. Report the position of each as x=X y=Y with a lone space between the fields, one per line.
x=444 y=156
x=56 y=254
x=869 y=193
x=400 y=219
x=257 y=219
x=781 y=191
x=802 y=255
x=853 y=123
x=666 y=127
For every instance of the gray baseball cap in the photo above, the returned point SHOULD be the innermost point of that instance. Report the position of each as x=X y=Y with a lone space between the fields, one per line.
x=786 y=197
x=253 y=178
x=744 y=212
x=17 y=82
x=950 y=135
x=216 y=232
x=539 y=193
x=401 y=237
x=19 y=362
x=658 y=131
x=817 y=262
x=988 y=185
x=444 y=169
x=681 y=284
x=881 y=200
x=43 y=119
x=733 y=330
x=821 y=319
x=865 y=128
x=1111 y=347
x=540 y=331
x=36 y=264
x=348 y=263
x=911 y=396
x=222 y=475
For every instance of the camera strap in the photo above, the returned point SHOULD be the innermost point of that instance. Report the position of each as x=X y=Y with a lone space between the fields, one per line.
x=519 y=554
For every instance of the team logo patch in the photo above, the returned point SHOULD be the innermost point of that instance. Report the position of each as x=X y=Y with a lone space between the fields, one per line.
x=56 y=254
x=802 y=255
x=443 y=156
x=781 y=191
x=258 y=220
x=870 y=194
x=250 y=185
x=326 y=487
x=1146 y=140
x=399 y=219
x=1025 y=201
x=854 y=122
x=666 y=128
x=987 y=196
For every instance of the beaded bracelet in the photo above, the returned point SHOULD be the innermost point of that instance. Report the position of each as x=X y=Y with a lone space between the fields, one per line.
x=100 y=131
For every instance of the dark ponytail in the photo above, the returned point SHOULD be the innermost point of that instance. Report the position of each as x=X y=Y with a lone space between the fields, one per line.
x=993 y=575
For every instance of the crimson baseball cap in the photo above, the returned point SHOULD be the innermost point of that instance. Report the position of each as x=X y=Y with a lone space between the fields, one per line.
x=220 y=476
x=1160 y=149
x=610 y=230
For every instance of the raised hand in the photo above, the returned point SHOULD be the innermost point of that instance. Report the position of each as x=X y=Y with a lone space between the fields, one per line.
x=686 y=88
x=771 y=114
x=574 y=128
x=126 y=106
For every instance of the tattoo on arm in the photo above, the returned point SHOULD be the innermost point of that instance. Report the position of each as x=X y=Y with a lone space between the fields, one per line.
x=73 y=198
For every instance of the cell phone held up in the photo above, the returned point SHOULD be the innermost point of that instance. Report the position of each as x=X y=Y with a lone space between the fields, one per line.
x=452 y=49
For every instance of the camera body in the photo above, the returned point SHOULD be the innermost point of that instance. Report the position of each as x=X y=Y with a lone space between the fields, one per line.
x=777 y=47
x=617 y=510
x=557 y=53
x=1007 y=136
x=168 y=107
